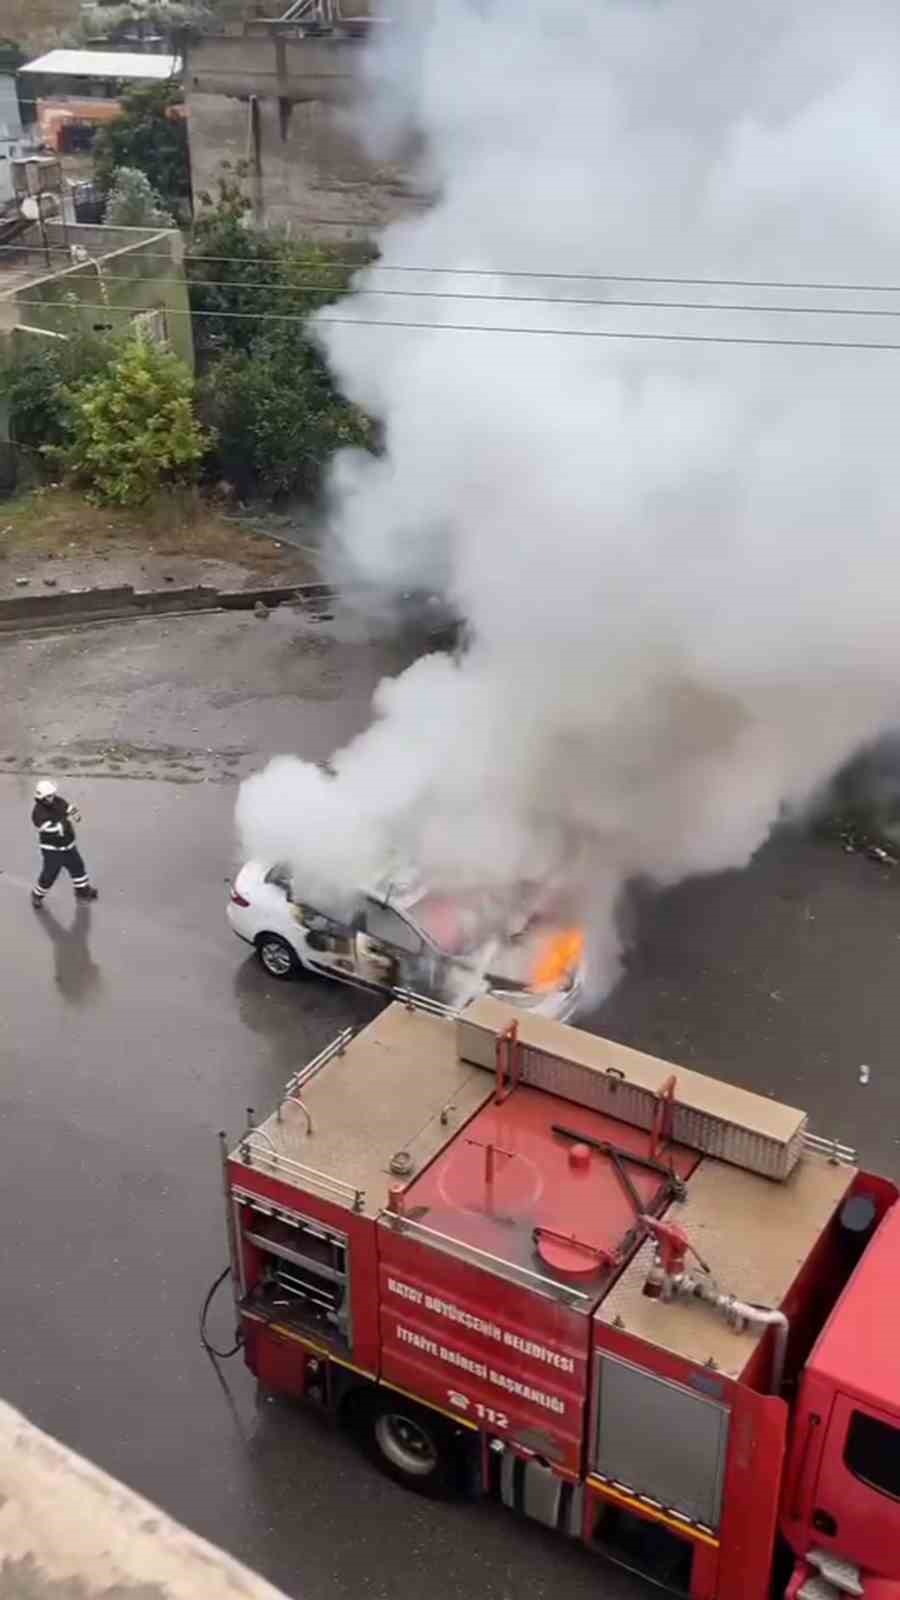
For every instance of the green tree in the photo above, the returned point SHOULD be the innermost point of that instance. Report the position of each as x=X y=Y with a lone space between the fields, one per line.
x=238 y=274
x=134 y=203
x=12 y=56
x=132 y=428
x=226 y=263
x=266 y=391
x=32 y=381
x=277 y=417
x=150 y=135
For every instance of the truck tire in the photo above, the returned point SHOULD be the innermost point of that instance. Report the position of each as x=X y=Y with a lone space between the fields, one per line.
x=414 y=1446
x=278 y=958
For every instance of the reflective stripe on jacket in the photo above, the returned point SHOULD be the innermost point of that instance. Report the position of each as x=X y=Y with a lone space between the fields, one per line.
x=53 y=820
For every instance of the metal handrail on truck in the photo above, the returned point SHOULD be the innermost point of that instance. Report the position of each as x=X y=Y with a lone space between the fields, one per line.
x=266 y=1158
x=523 y=1276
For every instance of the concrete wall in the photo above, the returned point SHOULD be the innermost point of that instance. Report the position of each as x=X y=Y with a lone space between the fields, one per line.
x=68 y=1529
x=280 y=102
x=138 y=271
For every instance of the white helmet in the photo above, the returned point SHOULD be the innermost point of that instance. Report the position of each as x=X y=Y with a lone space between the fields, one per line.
x=45 y=789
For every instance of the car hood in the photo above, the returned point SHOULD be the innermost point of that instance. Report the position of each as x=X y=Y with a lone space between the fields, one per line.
x=516 y=961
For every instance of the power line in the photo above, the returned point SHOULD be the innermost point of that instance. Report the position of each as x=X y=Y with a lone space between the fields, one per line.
x=301 y=287
x=511 y=299
x=603 y=277
x=502 y=299
x=475 y=327
x=498 y=272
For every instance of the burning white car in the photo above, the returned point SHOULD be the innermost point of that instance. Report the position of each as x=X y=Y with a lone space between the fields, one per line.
x=450 y=947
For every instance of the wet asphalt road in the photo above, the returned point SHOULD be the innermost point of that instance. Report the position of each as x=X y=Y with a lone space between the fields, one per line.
x=131 y=1033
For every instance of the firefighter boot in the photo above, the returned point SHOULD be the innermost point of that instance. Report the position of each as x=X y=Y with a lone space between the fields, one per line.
x=87 y=893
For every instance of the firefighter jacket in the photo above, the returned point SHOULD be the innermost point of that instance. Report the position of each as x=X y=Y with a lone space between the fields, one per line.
x=53 y=819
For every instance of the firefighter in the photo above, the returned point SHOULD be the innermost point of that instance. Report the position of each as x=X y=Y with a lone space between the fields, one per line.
x=54 y=817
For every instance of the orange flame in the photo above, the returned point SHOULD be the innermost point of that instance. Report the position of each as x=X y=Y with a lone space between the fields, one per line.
x=558 y=957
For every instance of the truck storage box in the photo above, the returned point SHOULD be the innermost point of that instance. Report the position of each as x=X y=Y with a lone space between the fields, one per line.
x=715 y=1118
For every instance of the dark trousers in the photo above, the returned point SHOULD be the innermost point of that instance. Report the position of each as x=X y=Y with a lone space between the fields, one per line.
x=53 y=863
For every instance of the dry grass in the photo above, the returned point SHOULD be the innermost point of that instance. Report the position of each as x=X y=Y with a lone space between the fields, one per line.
x=37 y=24
x=59 y=522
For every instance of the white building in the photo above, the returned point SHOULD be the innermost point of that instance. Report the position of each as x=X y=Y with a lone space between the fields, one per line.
x=11 y=140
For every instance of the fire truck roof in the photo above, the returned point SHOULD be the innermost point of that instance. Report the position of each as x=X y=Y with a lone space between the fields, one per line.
x=754 y=1234
x=544 y=1186
x=541 y=1184
x=380 y=1109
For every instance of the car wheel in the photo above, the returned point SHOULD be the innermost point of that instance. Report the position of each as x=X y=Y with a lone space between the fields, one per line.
x=414 y=1446
x=279 y=958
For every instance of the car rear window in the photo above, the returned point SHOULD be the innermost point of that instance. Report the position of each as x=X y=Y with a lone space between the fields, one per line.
x=872 y=1453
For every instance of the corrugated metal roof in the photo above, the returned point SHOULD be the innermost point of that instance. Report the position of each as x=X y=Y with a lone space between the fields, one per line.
x=104 y=64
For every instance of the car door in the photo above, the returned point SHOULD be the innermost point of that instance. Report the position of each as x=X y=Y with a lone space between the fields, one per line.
x=389 y=950
x=328 y=944
x=857 y=1501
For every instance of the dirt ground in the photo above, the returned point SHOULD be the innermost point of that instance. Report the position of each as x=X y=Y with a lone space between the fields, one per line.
x=53 y=537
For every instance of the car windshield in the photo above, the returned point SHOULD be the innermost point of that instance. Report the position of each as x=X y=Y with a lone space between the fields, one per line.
x=457 y=924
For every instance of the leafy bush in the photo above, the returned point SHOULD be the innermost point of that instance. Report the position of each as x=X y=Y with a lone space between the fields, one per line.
x=237 y=272
x=134 y=203
x=31 y=383
x=132 y=427
x=150 y=135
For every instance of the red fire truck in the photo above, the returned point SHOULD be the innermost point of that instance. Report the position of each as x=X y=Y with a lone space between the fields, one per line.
x=642 y=1306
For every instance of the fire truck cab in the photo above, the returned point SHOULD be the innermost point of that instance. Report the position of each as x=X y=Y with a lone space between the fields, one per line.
x=642 y=1306
x=843 y=1486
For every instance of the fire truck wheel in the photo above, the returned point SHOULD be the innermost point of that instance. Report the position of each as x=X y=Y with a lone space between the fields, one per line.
x=277 y=956
x=414 y=1447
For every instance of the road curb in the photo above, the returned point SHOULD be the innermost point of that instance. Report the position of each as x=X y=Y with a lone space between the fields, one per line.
x=30 y=611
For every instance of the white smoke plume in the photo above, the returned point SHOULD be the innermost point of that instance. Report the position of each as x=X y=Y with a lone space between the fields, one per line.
x=679 y=560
